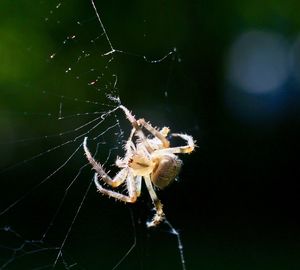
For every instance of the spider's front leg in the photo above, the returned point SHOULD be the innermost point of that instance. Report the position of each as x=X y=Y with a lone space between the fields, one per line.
x=137 y=127
x=123 y=175
x=131 y=187
x=130 y=117
x=116 y=181
x=156 y=133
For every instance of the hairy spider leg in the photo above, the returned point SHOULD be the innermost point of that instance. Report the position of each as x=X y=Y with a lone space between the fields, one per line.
x=130 y=117
x=134 y=188
x=159 y=215
x=137 y=127
x=131 y=187
x=155 y=132
x=129 y=147
x=180 y=149
x=138 y=184
x=119 y=177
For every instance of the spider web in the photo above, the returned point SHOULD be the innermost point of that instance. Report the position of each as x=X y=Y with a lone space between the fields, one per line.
x=51 y=216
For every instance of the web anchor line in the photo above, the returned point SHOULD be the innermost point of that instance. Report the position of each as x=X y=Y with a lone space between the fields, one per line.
x=179 y=242
x=112 y=50
x=60 y=253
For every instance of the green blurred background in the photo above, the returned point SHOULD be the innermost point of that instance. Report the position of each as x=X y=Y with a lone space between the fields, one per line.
x=232 y=81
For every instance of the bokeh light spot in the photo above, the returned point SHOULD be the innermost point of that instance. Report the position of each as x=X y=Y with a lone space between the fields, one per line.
x=258 y=62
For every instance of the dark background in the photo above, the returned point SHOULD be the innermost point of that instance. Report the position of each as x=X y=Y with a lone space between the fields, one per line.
x=236 y=203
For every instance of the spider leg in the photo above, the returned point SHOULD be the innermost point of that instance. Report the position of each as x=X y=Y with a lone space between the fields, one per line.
x=136 y=126
x=155 y=132
x=122 y=174
x=119 y=177
x=187 y=148
x=138 y=184
x=159 y=215
x=131 y=187
x=180 y=149
x=130 y=117
x=129 y=146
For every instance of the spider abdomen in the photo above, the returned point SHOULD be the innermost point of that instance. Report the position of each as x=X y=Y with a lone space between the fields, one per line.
x=166 y=170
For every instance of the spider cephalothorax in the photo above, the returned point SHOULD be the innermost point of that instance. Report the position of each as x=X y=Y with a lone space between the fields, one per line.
x=151 y=159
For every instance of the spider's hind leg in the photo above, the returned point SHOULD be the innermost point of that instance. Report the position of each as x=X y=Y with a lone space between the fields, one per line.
x=186 y=148
x=159 y=215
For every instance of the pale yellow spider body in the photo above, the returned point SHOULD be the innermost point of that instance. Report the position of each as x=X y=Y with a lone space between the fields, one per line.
x=151 y=159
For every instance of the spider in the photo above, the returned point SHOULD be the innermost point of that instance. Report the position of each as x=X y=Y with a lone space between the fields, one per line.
x=148 y=157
